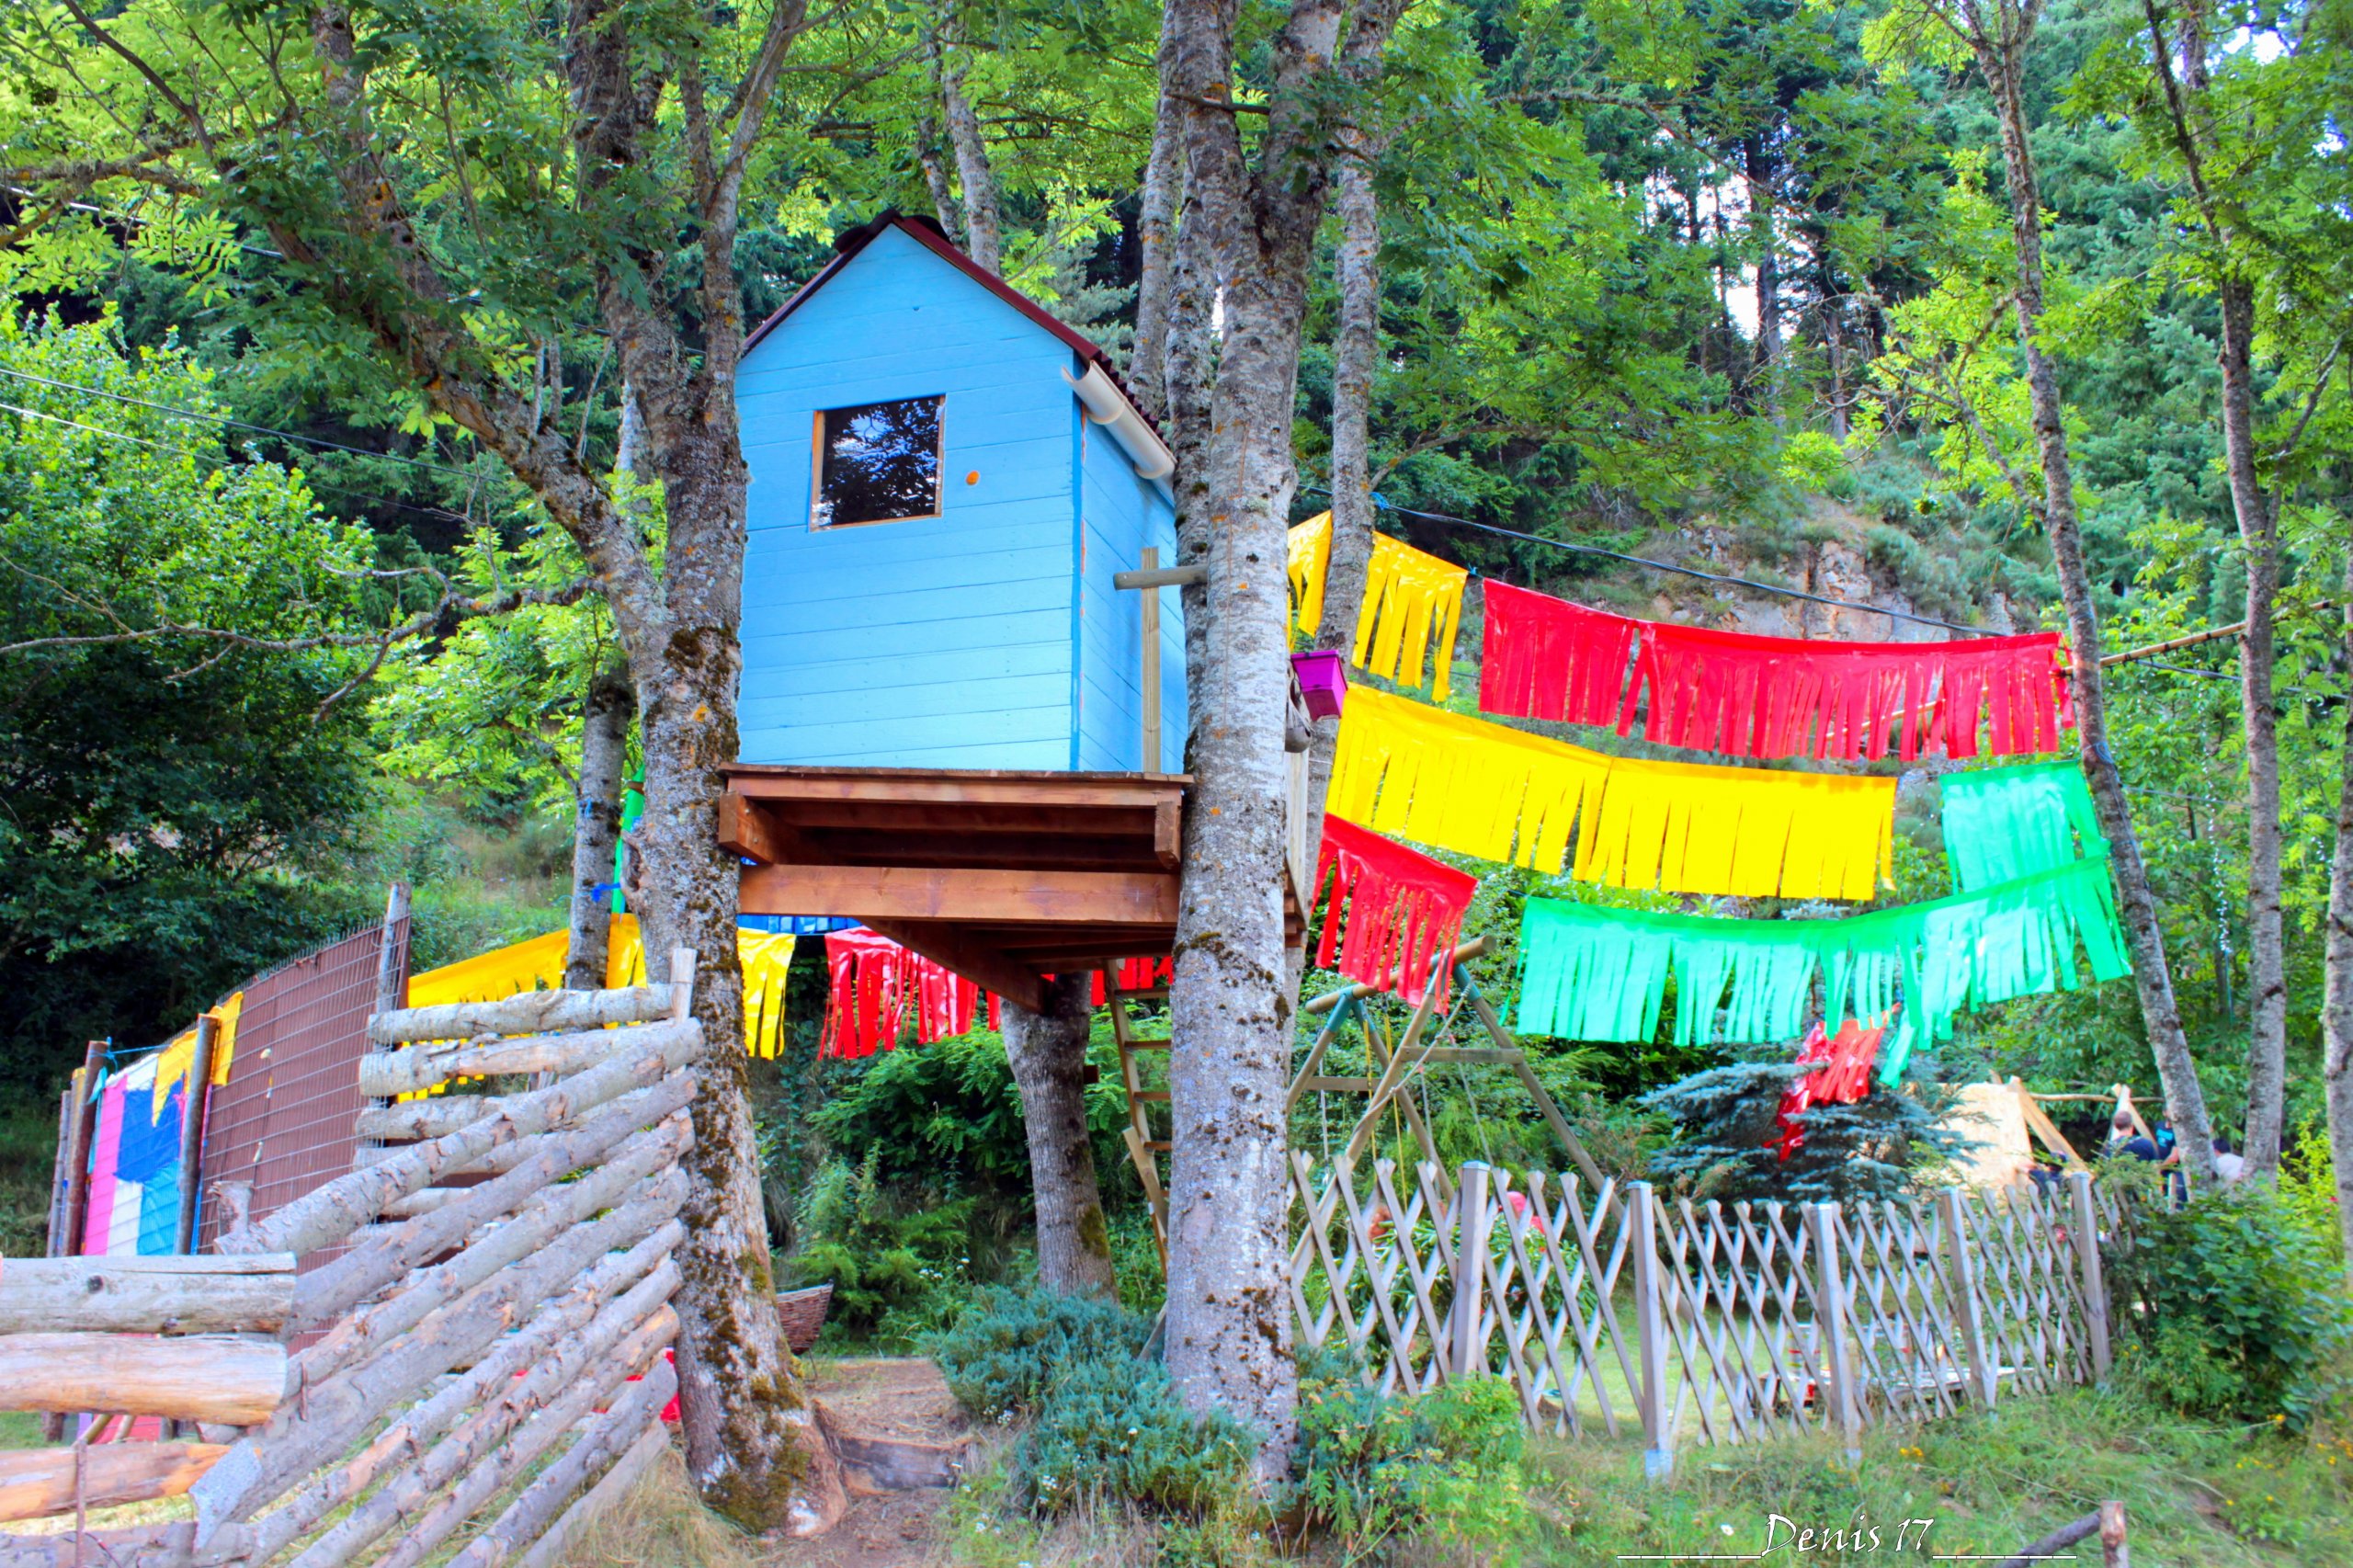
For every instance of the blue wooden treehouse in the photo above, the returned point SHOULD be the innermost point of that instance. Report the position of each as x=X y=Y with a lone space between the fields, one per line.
x=956 y=727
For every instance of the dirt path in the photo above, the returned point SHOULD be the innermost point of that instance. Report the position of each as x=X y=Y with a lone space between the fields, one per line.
x=897 y=1397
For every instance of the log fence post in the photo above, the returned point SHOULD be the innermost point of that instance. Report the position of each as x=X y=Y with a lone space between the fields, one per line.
x=1960 y=1279
x=2086 y=1238
x=1470 y=1270
x=1830 y=1299
x=194 y=1100
x=1658 y=1445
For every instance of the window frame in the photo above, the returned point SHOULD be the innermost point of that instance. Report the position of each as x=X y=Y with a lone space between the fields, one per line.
x=817 y=466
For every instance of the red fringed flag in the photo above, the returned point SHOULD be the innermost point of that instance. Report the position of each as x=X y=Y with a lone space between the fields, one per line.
x=1546 y=658
x=1405 y=909
x=873 y=980
x=1841 y=1076
x=1771 y=696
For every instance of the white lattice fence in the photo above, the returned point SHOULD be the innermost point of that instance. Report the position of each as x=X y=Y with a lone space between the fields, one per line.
x=1701 y=1323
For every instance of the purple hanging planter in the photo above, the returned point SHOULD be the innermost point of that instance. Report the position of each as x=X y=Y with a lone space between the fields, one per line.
x=1321 y=681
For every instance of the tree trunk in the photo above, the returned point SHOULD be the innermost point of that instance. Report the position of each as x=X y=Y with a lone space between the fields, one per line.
x=935 y=179
x=1355 y=348
x=983 y=219
x=2337 y=1005
x=1048 y=1051
x=2000 y=61
x=751 y=1438
x=2266 y=1055
x=1163 y=184
x=1757 y=162
x=604 y=757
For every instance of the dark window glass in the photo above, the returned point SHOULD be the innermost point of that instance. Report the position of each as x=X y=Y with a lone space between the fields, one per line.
x=878 y=463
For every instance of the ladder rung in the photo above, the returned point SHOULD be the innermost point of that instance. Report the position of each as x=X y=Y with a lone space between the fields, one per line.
x=1149 y=994
x=1158 y=1043
x=1157 y=1096
x=1161 y=1146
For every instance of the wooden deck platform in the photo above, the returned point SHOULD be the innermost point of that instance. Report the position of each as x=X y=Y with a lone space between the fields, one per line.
x=1002 y=877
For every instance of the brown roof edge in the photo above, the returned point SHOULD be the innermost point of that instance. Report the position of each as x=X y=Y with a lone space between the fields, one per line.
x=928 y=233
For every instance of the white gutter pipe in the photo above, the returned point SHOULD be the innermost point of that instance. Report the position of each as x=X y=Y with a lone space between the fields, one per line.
x=1107 y=405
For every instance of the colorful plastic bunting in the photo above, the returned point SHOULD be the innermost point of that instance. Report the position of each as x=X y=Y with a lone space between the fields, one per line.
x=1404 y=768
x=2006 y=822
x=874 y=981
x=1403 y=909
x=1841 y=1076
x=1412 y=603
x=1769 y=697
x=1600 y=974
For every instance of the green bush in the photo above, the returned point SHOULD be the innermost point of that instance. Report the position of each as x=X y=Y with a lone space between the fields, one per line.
x=1440 y=1468
x=2242 y=1309
x=1113 y=1430
x=1007 y=1347
x=1108 y=1426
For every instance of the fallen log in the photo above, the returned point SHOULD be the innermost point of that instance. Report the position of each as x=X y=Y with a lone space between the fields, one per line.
x=146 y=1295
x=616 y=1485
x=2055 y=1543
x=329 y=1292
x=389 y=1072
x=38 y=1482
x=330 y=1213
x=527 y=1012
x=198 y=1377
x=646 y=1272
x=480 y=1460
x=162 y=1545
x=327 y=1420
x=526 y=1519
x=551 y=1214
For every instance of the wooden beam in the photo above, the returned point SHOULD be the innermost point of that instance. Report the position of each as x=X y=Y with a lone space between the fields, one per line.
x=956 y=788
x=984 y=967
x=36 y=1483
x=2042 y=1127
x=745 y=831
x=1133 y=820
x=1154 y=576
x=205 y=1377
x=77 y=1170
x=194 y=1099
x=888 y=892
x=947 y=845
x=1168 y=831
x=1331 y=999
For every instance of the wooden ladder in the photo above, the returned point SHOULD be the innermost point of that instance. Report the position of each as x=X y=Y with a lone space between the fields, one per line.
x=1144 y=1146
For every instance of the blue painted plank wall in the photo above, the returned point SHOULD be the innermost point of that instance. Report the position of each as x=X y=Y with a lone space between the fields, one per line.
x=1122 y=516
x=940 y=642
x=990 y=636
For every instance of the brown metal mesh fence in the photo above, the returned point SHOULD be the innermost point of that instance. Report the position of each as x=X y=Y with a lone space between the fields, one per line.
x=283 y=1121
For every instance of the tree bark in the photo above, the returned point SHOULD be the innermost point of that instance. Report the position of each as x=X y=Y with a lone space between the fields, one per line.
x=1163 y=185
x=604 y=757
x=2336 y=1003
x=1356 y=347
x=1229 y=1322
x=2267 y=1056
x=1048 y=1051
x=1998 y=38
x=1757 y=165
x=984 y=218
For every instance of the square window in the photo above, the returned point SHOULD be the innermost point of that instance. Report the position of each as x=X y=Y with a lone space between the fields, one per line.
x=879 y=463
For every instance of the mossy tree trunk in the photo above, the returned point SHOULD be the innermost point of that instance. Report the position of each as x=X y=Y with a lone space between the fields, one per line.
x=1048 y=1051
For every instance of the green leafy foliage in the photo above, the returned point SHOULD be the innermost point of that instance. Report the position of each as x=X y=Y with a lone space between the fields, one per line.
x=1439 y=1470
x=2238 y=1307
x=897 y=1272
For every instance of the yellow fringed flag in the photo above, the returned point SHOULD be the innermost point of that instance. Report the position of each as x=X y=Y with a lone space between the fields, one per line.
x=1412 y=601
x=1463 y=784
x=537 y=964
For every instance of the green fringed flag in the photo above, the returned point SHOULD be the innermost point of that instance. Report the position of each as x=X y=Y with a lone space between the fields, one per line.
x=1596 y=973
x=2002 y=823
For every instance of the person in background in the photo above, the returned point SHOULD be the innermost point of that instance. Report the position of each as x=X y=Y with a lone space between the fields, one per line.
x=2229 y=1163
x=2119 y=1132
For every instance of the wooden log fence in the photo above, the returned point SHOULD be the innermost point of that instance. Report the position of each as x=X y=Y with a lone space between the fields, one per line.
x=472 y=1379
x=1611 y=1309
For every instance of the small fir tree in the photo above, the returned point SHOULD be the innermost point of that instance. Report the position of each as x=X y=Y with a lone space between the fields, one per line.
x=1728 y=1134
